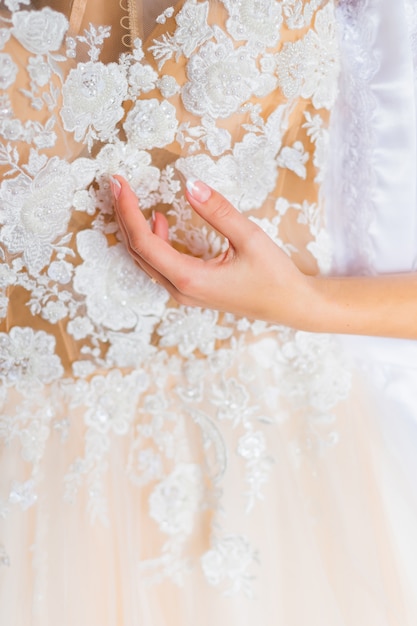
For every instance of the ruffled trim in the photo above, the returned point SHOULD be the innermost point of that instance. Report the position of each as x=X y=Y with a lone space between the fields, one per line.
x=352 y=178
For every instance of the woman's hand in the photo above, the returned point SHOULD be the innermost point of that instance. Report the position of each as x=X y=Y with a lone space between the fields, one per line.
x=253 y=278
x=256 y=279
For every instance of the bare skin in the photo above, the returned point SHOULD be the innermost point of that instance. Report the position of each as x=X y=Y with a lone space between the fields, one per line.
x=256 y=279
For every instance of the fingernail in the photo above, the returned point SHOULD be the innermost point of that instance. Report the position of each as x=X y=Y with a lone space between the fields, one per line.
x=198 y=190
x=115 y=186
x=153 y=218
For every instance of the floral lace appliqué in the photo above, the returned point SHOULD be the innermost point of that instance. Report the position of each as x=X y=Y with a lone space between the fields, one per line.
x=110 y=358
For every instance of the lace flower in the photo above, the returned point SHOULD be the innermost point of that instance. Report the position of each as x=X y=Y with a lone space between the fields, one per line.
x=232 y=401
x=252 y=445
x=192 y=31
x=131 y=349
x=23 y=494
x=39 y=31
x=80 y=327
x=4 y=37
x=14 y=5
x=54 y=311
x=192 y=329
x=39 y=70
x=298 y=13
x=151 y=124
x=60 y=272
x=220 y=79
x=28 y=359
x=142 y=78
x=175 y=500
x=322 y=250
x=294 y=158
x=33 y=439
x=254 y=21
x=135 y=165
x=245 y=178
x=229 y=561
x=111 y=401
x=309 y=67
x=92 y=100
x=168 y=86
x=119 y=294
x=35 y=212
x=329 y=381
x=192 y=28
x=11 y=129
x=291 y=68
x=322 y=82
x=7 y=276
x=217 y=140
x=8 y=70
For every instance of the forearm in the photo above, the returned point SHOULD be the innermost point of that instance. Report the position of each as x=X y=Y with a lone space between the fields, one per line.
x=376 y=305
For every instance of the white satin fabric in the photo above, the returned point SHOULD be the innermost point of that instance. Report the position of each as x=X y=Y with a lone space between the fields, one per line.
x=374 y=179
x=374 y=176
x=374 y=184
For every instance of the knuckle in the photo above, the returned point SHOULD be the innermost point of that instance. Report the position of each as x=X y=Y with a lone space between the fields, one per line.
x=135 y=242
x=255 y=238
x=184 y=284
x=222 y=210
x=190 y=285
x=139 y=242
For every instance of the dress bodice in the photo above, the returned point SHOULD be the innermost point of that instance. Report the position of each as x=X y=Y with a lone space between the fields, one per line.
x=146 y=442
x=237 y=94
x=156 y=115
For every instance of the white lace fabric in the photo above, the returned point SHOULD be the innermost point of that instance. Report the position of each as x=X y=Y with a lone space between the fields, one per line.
x=162 y=425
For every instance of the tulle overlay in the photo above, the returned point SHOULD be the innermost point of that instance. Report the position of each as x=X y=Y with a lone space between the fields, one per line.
x=162 y=465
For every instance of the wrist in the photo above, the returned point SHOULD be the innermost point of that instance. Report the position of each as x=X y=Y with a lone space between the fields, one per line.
x=383 y=305
x=314 y=305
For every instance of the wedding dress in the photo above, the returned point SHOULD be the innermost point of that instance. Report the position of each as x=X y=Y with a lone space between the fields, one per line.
x=162 y=465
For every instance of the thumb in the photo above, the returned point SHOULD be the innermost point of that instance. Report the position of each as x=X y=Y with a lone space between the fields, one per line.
x=218 y=212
